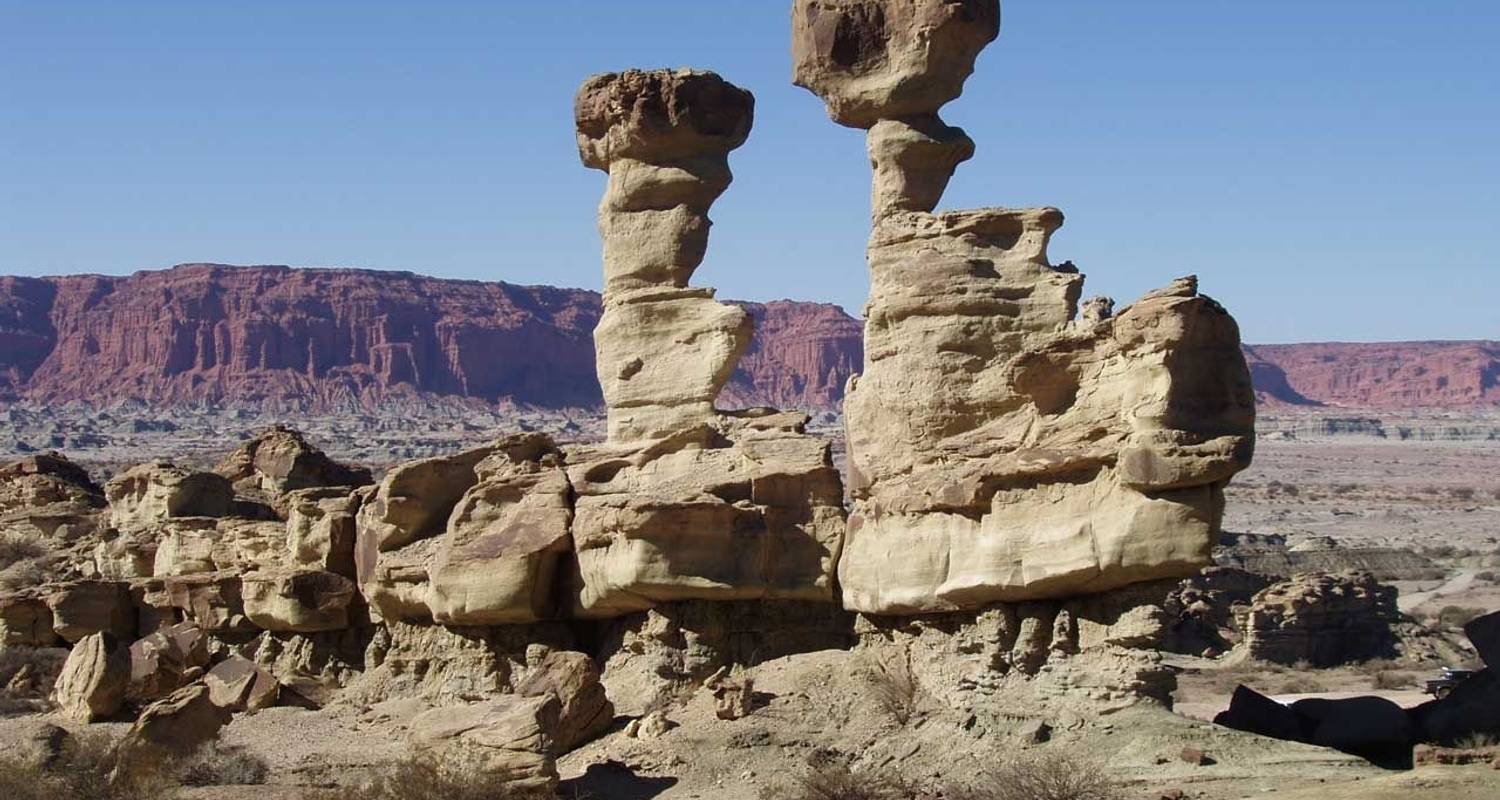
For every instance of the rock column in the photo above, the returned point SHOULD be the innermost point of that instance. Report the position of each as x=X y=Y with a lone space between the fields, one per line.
x=1003 y=447
x=664 y=349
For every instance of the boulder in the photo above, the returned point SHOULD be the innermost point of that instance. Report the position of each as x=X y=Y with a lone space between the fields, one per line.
x=48 y=496
x=149 y=493
x=125 y=556
x=512 y=737
x=212 y=600
x=279 y=460
x=239 y=684
x=584 y=710
x=167 y=660
x=297 y=601
x=94 y=679
x=733 y=691
x=1321 y=618
x=1253 y=712
x=178 y=723
x=87 y=607
x=1372 y=728
x=413 y=500
x=321 y=528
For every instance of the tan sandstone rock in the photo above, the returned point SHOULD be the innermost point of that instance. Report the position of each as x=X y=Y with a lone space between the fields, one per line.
x=683 y=501
x=83 y=608
x=1320 y=618
x=149 y=493
x=297 y=601
x=178 y=723
x=167 y=660
x=321 y=528
x=1004 y=446
x=280 y=460
x=573 y=678
x=50 y=497
x=511 y=738
x=94 y=679
x=239 y=684
x=502 y=547
x=26 y=620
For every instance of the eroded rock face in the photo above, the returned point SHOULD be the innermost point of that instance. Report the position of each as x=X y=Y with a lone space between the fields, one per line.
x=1321 y=618
x=1003 y=445
x=512 y=738
x=757 y=514
x=297 y=601
x=50 y=497
x=150 y=493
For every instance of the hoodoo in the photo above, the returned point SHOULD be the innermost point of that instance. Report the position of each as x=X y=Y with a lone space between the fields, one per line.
x=1003 y=445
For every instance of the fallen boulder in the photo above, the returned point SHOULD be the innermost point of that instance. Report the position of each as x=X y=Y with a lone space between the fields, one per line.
x=512 y=737
x=94 y=679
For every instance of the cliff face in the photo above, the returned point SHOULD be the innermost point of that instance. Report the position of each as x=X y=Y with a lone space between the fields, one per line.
x=323 y=338
x=1390 y=375
x=332 y=337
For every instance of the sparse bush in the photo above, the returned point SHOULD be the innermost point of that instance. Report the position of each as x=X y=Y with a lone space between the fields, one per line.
x=895 y=689
x=1457 y=616
x=426 y=778
x=88 y=768
x=14 y=548
x=1477 y=741
x=1300 y=684
x=1047 y=775
x=22 y=575
x=1390 y=679
x=1462 y=492
x=222 y=766
x=836 y=782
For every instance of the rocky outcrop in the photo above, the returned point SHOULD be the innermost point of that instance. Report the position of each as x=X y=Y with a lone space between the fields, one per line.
x=1004 y=446
x=279 y=461
x=1322 y=619
x=50 y=497
x=511 y=738
x=683 y=501
x=150 y=493
x=167 y=660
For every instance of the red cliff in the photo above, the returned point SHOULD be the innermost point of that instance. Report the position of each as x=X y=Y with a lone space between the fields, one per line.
x=324 y=338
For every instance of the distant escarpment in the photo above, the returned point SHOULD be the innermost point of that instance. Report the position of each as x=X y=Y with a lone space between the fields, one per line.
x=1383 y=375
x=329 y=339
x=345 y=338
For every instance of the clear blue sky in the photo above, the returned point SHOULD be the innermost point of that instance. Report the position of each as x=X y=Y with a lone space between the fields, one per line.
x=1329 y=168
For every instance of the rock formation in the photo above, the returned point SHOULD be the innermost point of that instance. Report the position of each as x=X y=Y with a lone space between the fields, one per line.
x=1322 y=619
x=94 y=679
x=683 y=501
x=1003 y=446
x=280 y=461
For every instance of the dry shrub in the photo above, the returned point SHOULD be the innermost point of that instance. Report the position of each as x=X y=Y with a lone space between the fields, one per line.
x=836 y=782
x=1477 y=741
x=15 y=547
x=1457 y=616
x=216 y=765
x=1044 y=775
x=1391 y=679
x=422 y=777
x=23 y=574
x=894 y=688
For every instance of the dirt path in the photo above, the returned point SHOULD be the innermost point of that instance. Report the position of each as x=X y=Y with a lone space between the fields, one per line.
x=1458 y=583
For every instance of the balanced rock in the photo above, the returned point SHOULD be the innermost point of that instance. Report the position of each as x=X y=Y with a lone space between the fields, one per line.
x=1321 y=618
x=683 y=501
x=149 y=493
x=664 y=350
x=94 y=679
x=280 y=460
x=1004 y=446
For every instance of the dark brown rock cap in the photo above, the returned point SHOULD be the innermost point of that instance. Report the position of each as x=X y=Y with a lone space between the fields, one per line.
x=888 y=59
x=660 y=116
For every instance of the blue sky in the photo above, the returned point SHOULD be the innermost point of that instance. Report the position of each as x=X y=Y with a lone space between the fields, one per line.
x=1329 y=169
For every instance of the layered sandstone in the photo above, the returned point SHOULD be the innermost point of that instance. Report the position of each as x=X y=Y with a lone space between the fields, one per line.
x=683 y=501
x=1003 y=445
